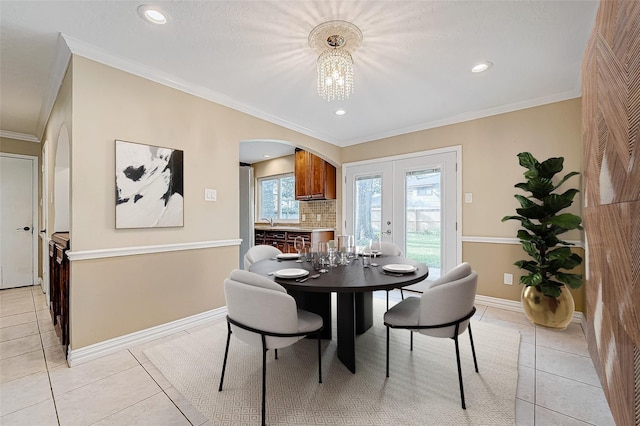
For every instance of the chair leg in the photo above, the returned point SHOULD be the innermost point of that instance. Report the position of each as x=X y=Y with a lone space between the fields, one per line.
x=473 y=349
x=387 y=351
x=276 y=351
x=319 y=360
x=226 y=352
x=401 y=294
x=387 y=300
x=411 y=337
x=264 y=378
x=464 y=407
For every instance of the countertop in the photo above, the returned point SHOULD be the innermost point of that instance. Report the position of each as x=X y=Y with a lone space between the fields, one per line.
x=290 y=228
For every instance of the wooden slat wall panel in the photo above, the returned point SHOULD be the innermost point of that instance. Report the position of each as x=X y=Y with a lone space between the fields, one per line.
x=611 y=124
x=636 y=376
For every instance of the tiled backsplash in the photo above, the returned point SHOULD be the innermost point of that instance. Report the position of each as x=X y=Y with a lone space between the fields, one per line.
x=311 y=209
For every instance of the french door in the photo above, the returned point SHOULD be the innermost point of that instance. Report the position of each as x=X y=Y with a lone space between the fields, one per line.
x=411 y=201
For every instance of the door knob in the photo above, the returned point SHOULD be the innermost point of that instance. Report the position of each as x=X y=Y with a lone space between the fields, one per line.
x=26 y=228
x=388 y=232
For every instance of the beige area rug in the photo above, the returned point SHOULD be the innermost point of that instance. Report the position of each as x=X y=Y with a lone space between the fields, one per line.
x=422 y=388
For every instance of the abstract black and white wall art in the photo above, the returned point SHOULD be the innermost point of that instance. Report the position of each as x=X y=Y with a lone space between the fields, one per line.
x=149 y=186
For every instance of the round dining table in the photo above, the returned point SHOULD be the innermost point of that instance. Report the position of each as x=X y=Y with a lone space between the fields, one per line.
x=353 y=285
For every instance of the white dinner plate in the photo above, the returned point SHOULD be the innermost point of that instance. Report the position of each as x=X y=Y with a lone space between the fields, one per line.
x=292 y=273
x=286 y=256
x=399 y=268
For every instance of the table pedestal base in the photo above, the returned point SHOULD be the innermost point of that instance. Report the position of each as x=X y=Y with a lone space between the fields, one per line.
x=355 y=316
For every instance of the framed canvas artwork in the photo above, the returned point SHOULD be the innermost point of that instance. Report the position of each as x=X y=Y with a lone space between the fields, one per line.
x=149 y=186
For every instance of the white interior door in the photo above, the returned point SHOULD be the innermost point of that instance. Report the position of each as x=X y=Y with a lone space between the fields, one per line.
x=412 y=201
x=18 y=216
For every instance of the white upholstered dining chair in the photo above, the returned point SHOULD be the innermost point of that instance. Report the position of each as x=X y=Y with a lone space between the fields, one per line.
x=443 y=310
x=258 y=253
x=261 y=313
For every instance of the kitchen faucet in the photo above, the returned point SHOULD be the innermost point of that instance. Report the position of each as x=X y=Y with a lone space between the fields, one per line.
x=270 y=220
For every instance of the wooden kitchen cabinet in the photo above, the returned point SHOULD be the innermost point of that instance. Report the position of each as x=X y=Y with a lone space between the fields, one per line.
x=315 y=178
x=59 y=285
x=285 y=240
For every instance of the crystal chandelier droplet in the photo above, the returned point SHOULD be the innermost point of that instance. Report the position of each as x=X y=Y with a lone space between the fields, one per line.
x=335 y=74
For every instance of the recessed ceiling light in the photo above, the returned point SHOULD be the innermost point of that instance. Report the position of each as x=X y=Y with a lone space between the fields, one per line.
x=341 y=112
x=152 y=14
x=266 y=156
x=482 y=66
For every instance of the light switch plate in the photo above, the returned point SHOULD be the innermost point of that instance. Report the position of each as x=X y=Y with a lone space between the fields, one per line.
x=210 y=194
x=468 y=197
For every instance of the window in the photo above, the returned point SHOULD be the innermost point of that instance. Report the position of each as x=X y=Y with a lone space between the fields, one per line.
x=277 y=198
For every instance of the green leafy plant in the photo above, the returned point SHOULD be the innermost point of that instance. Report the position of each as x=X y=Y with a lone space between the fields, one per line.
x=542 y=222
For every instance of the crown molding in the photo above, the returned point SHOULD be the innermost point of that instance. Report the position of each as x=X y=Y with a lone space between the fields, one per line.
x=88 y=51
x=474 y=115
x=80 y=48
x=19 y=136
x=56 y=75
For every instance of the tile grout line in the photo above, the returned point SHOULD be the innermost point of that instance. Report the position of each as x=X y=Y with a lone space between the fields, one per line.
x=44 y=355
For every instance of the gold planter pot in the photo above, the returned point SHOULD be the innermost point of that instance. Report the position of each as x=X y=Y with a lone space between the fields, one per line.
x=548 y=311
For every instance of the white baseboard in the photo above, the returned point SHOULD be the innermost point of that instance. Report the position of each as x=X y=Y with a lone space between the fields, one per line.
x=512 y=305
x=100 y=349
x=97 y=350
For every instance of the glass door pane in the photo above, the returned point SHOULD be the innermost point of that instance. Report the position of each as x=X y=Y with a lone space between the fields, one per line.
x=423 y=218
x=367 y=209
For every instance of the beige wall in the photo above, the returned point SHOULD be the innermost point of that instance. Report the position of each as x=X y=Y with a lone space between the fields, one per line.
x=115 y=296
x=12 y=146
x=490 y=170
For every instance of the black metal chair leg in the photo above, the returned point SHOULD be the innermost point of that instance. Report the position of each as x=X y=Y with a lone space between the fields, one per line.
x=411 y=338
x=387 y=351
x=387 y=300
x=226 y=352
x=264 y=378
x=401 y=294
x=464 y=407
x=473 y=349
x=276 y=351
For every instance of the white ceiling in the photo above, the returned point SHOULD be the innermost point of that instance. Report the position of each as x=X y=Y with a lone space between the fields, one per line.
x=412 y=70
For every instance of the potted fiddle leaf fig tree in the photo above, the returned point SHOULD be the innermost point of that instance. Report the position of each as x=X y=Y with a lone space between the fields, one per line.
x=545 y=297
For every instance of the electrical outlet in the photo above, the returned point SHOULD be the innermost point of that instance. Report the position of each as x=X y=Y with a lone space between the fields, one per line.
x=318 y=218
x=468 y=197
x=304 y=217
x=508 y=279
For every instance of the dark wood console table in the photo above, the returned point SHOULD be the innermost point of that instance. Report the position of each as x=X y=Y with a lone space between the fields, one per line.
x=59 y=285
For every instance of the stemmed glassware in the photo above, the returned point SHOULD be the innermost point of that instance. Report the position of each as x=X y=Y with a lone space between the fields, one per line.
x=299 y=245
x=374 y=248
x=321 y=257
x=346 y=248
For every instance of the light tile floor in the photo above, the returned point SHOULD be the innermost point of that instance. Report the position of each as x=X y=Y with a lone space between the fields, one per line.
x=557 y=383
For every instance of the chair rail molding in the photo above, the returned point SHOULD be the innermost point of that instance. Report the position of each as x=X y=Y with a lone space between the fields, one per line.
x=506 y=240
x=162 y=248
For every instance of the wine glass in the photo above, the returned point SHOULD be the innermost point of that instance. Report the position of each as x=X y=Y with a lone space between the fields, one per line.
x=299 y=245
x=321 y=257
x=374 y=248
